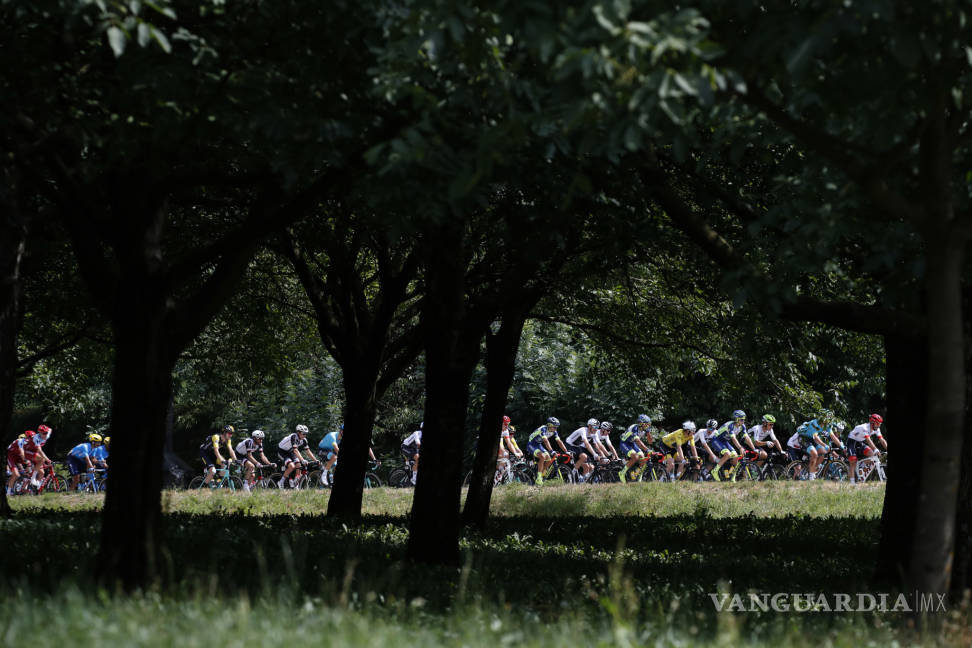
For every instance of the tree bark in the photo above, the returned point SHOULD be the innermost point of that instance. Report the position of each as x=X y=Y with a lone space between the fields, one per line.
x=906 y=376
x=13 y=242
x=932 y=553
x=501 y=350
x=451 y=340
x=360 y=380
x=141 y=387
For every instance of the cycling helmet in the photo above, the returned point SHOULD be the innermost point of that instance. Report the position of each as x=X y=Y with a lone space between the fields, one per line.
x=43 y=429
x=107 y=441
x=689 y=425
x=302 y=429
x=769 y=418
x=739 y=414
x=606 y=426
x=29 y=433
x=95 y=438
x=839 y=426
x=593 y=422
x=421 y=424
x=228 y=429
x=876 y=418
x=825 y=415
x=341 y=427
x=712 y=424
x=22 y=436
x=257 y=434
x=506 y=419
x=644 y=418
x=554 y=421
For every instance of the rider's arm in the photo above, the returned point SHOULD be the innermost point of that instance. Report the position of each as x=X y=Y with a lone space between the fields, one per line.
x=563 y=448
x=371 y=454
x=310 y=454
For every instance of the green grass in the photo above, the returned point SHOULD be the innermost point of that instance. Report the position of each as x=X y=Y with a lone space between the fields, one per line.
x=625 y=565
x=780 y=499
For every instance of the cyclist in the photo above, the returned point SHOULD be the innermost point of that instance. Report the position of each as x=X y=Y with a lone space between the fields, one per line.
x=247 y=451
x=538 y=446
x=633 y=447
x=411 y=447
x=209 y=451
x=602 y=441
x=671 y=445
x=812 y=434
x=861 y=444
x=289 y=452
x=507 y=444
x=580 y=447
x=99 y=456
x=330 y=444
x=16 y=458
x=722 y=438
x=79 y=458
x=702 y=438
x=33 y=451
x=762 y=439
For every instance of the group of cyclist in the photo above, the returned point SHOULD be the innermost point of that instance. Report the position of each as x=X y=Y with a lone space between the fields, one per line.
x=293 y=453
x=719 y=447
x=26 y=458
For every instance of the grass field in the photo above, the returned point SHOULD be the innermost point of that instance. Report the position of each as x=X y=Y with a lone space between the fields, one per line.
x=626 y=565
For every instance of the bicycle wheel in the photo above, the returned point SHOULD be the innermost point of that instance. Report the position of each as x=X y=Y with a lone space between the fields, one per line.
x=692 y=474
x=748 y=472
x=656 y=473
x=371 y=480
x=561 y=475
x=774 y=471
x=522 y=476
x=196 y=483
x=234 y=483
x=796 y=470
x=315 y=479
x=836 y=471
x=400 y=478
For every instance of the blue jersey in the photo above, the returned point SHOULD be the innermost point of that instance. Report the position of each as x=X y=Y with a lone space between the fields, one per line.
x=328 y=442
x=99 y=454
x=808 y=429
x=541 y=433
x=729 y=429
x=81 y=451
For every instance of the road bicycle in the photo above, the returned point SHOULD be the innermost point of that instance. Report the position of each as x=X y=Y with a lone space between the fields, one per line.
x=401 y=477
x=872 y=467
x=92 y=481
x=507 y=472
x=222 y=479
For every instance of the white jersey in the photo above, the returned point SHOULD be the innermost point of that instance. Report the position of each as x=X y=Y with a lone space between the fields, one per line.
x=247 y=445
x=759 y=433
x=700 y=436
x=794 y=441
x=292 y=442
x=601 y=436
x=863 y=431
x=577 y=437
x=415 y=438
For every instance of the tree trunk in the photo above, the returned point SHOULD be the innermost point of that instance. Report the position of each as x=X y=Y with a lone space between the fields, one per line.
x=501 y=350
x=13 y=241
x=907 y=370
x=451 y=343
x=141 y=386
x=360 y=380
x=932 y=554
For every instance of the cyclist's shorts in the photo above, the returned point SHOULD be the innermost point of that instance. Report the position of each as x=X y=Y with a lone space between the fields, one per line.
x=329 y=455
x=796 y=454
x=629 y=450
x=76 y=466
x=410 y=450
x=13 y=460
x=208 y=458
x=720 y=447
x=535 y=450
x=857 y=449
x=670 y=452
x=286 y=456
x=576 y=450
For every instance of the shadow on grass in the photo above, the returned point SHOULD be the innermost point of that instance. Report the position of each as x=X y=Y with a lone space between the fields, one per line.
x=532 y=561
